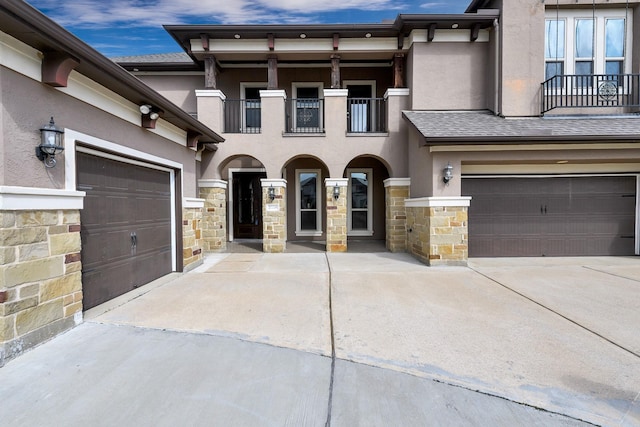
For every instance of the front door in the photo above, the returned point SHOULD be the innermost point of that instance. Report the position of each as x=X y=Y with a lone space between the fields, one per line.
x=247 y=205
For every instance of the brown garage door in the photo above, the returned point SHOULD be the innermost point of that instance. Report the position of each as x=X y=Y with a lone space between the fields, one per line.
x=572 y=216
x=126 y=227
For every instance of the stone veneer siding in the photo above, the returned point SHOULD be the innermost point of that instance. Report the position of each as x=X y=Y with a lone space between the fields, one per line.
x=274 y=222
x=41 y=278
x=214 y=219
x=396 y=214
x=191 y=237
x=336 y=216
x=438 y=235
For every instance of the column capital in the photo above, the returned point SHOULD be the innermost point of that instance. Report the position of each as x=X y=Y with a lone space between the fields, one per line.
x=273 y=183
x=336 y=182
x=397 y=182
x=212 y=183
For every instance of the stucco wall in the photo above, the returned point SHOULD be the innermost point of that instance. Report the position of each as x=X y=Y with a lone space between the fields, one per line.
x=449 y=76
x=27 y=105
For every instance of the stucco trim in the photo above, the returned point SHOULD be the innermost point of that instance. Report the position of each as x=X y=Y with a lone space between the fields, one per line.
x=211 y=93
x=397 y=182
x=397 y=92
x=20 y=57
x=273 y=182
x=438 y=202
x=335 y=92
x=192 y=203
x=270 y=93
x=212 y=183
x=31 y=198
x=336 y=182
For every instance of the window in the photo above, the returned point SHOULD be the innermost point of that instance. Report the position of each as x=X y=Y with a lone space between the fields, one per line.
x=577 y=44
x=307 y=106
x=308 y=202
x=360 y=211
x=554 y=52
x=251 y=106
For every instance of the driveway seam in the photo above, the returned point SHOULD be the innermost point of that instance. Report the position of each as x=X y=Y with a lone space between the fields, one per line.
x=333 y=347
x=609 y=273
x=556 y=313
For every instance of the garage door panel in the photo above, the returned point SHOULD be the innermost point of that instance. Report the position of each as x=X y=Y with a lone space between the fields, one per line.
x=568 y=216
x=122 y=200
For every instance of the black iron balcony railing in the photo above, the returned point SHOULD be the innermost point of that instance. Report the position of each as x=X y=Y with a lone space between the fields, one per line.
x=304 y=115
x=242 y=116
x=592 y=90
x=366 y=115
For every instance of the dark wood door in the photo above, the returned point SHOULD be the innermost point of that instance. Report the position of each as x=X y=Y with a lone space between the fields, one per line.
x=247 y=205
x=126 y=227
x=569 y=216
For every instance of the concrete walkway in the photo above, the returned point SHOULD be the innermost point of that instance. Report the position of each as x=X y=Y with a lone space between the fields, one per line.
x=348 y=340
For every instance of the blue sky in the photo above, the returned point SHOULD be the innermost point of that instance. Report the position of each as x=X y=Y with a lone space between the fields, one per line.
x=134 y=27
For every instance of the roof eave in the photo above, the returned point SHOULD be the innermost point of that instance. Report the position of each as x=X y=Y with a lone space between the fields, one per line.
x=45 y=35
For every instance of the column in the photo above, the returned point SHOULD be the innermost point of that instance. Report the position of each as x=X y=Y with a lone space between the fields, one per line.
x=192 y=210
x=437 y=230
x=214 y=214
x=396 y=191
x=210 y=105
x=274 y=215
x=336 y=201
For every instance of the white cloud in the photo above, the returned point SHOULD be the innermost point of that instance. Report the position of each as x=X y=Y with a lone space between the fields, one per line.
x=154 y=13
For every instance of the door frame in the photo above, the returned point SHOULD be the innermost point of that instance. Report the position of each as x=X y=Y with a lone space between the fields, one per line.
x=231 y=171
x=586 y=175
x=77 y=141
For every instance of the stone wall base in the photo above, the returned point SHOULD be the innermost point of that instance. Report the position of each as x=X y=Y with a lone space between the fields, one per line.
x=191 y=238
x=214 y=215
x=438 y=235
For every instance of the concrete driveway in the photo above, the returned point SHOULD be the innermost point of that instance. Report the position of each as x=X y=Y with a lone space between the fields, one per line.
x=347 y=340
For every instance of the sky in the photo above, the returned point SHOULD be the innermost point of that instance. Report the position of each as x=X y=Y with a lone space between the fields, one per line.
x=134 y=27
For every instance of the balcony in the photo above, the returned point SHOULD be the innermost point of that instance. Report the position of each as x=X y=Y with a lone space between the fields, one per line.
x=304 y=115
x=366 y=115
x=621 y=91
x=242 y=116
x=307 y=116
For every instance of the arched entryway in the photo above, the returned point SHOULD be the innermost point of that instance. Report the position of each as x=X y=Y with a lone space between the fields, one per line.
x=366 y=199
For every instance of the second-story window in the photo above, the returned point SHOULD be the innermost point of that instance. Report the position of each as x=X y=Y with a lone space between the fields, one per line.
x=584 y=43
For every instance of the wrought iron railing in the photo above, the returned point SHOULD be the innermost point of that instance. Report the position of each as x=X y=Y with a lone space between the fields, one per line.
x=304 y=115
x=242 y=116
x=591 y=90
x=366 y=115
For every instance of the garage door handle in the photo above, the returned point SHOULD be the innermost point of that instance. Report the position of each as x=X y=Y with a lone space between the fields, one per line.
x=543 y=209
x=134 y=240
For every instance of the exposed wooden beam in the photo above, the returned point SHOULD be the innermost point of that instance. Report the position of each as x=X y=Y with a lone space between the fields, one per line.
x=336 y=41
x=272 y=43
x=398 y=70
x=205 y=41
x=431 y=33
x=335 y=71
x=56 y=67
x=272 y=72
x=210 y=72
x=475 y=31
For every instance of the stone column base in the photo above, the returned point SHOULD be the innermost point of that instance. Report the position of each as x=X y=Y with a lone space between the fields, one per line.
x=274 y=215
x=396 y=192
x=192 y=233
x=214 y=215
x=437 y=230
x=336 y=214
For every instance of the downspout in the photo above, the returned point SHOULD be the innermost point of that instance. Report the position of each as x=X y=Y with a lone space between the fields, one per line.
x=497 y=72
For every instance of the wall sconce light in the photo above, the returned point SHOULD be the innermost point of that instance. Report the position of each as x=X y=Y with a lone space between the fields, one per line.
x=50 y=144
x=447 y=173
x=336 y=192
x=272 y=193
x=149 y=116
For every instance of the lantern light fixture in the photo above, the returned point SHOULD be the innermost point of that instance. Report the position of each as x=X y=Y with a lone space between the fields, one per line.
x=447 y=174
x=272 y=193
x=336 y=192
x=50 y=144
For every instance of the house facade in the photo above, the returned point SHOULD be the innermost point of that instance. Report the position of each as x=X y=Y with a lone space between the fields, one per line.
x=509 y=130
x=532 y=107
